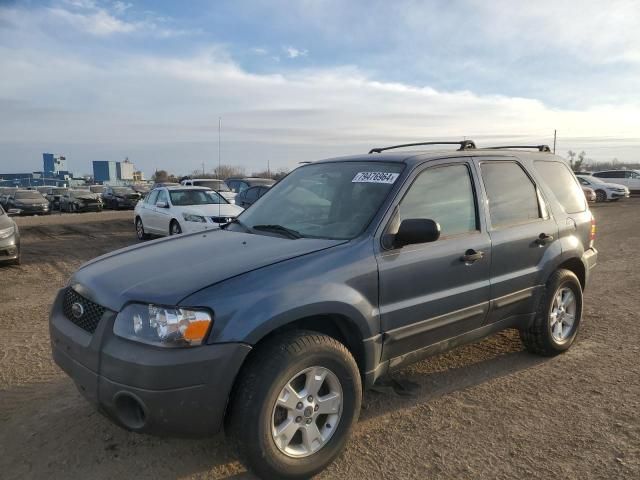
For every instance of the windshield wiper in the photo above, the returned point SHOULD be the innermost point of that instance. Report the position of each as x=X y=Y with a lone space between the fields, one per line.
x=278 y=229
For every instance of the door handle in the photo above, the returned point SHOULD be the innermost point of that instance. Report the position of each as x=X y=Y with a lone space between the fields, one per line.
x=471 y=256
x=543 y=239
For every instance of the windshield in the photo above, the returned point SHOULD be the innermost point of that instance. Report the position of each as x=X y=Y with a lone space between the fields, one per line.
x=123 y=191
x=327 y=200
x=97 y=189
x=212 y=184
x=58 y=191
x=29 y=195
x=182 y=198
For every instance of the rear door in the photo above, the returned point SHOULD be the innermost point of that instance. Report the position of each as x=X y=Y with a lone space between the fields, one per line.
x=523 y=236
x=147 y=211
x=427 y=291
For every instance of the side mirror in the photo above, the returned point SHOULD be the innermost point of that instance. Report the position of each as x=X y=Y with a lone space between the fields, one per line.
x=416 y=230
x=162 y=205
x=13 y=212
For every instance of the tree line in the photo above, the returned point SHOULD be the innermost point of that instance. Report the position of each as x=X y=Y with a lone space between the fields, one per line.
x=221 y=172
x=579 y=162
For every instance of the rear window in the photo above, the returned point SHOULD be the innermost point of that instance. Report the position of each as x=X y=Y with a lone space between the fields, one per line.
x=561 y=182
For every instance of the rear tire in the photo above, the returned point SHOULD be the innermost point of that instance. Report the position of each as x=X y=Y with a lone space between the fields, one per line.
x=557 y=320
x=304 y=370
x=601 y=196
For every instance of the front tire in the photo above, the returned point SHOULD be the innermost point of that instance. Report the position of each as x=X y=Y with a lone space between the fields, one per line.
x=140 y=233
x=557 y=320
x=601 y=196
x=294 y=405
x=174 y=228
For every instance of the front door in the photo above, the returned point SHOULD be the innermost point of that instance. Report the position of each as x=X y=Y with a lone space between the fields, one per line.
x=437 y=290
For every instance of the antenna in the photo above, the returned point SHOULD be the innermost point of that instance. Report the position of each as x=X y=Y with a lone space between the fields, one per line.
x=219 y=160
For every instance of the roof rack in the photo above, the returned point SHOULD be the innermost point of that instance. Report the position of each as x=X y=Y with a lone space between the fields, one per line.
x=464 y=145
x=540 y=148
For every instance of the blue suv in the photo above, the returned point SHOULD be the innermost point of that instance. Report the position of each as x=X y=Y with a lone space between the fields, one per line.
x=344 y=271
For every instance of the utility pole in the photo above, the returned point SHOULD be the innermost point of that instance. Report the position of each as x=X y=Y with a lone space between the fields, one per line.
x=268 y=168
x=219 y=140
x=203 y=169
x=554 y=140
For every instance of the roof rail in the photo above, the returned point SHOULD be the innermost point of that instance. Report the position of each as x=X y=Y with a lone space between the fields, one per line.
x=540 y=148
x=464 y=145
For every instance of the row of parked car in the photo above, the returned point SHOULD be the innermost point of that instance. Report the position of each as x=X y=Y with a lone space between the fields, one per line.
x=195 y=204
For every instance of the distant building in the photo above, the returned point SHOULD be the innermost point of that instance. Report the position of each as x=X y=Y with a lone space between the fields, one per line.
x=126 y=170
x=106 y=171
x=52 y=164
x=138 y=176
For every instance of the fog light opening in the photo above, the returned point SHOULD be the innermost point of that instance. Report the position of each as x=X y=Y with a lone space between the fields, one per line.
x=130 y=410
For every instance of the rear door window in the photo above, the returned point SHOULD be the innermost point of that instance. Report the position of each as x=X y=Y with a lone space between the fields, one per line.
x=561 y=182
x=512 y=196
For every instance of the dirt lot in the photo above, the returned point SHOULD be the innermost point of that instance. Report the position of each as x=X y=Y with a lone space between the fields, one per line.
x=486 y=411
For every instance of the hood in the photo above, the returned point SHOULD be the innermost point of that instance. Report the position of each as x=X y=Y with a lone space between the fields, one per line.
x=31 y=201
x=86 y=196
x=222 y=210
x=168 y=270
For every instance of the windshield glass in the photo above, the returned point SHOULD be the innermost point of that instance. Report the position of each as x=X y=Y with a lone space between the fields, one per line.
x=97 y=188
x=58 y=191
x=212 y=184
x=29 y=195
x=327 y=200
x=122 y=191
x=182 y=198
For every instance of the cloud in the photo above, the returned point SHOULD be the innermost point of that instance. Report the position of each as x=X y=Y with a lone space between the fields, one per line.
x=98 y=23
x=293 y=52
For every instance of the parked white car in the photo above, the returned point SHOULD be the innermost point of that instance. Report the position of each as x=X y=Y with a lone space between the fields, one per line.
x=181 y=209
x=604 y=191
x=628 y=178
x=214 y=184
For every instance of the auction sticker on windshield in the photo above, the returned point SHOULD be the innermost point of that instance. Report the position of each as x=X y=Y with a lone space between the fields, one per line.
x=375 y=177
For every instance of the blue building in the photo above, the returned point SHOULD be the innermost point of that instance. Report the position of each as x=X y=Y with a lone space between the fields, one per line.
x=106 y=171
x=52 y=164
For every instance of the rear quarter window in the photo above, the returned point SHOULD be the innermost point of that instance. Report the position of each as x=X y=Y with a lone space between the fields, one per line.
x=563 y=185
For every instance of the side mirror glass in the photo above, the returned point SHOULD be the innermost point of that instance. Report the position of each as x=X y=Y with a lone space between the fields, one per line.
x=416 y=230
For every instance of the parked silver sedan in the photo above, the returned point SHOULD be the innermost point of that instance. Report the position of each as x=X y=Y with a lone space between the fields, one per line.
x=9 y=240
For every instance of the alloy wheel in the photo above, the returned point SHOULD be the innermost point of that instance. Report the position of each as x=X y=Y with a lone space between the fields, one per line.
x=563 y=314
x=307 y=412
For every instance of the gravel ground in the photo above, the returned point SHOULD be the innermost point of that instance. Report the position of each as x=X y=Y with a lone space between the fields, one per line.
x=485 y=411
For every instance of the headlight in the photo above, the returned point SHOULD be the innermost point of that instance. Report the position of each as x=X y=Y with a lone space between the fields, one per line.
x=194 y=218
x=7 y=232
x=163 y=326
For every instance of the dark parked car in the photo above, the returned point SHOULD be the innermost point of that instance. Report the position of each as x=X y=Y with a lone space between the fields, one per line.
x=239 y=185
x=250 y=195
x=9 y=240
x=28 y=202
x=5 y=193
x=53 y=195
x=273 y=324
x=75 y=201
x=118 y=198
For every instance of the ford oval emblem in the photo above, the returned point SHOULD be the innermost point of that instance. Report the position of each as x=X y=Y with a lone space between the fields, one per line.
x=77 y=310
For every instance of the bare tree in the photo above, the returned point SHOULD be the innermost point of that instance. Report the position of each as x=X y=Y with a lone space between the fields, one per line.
x=275 y=175
x=161 y=176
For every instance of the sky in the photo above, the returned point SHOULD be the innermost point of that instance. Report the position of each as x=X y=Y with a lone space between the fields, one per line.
x=293 y=81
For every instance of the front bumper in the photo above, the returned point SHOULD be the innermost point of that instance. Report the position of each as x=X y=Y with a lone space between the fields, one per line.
x=9 y=248
x=31 y=210
x=175 y=391
x=619 y=194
